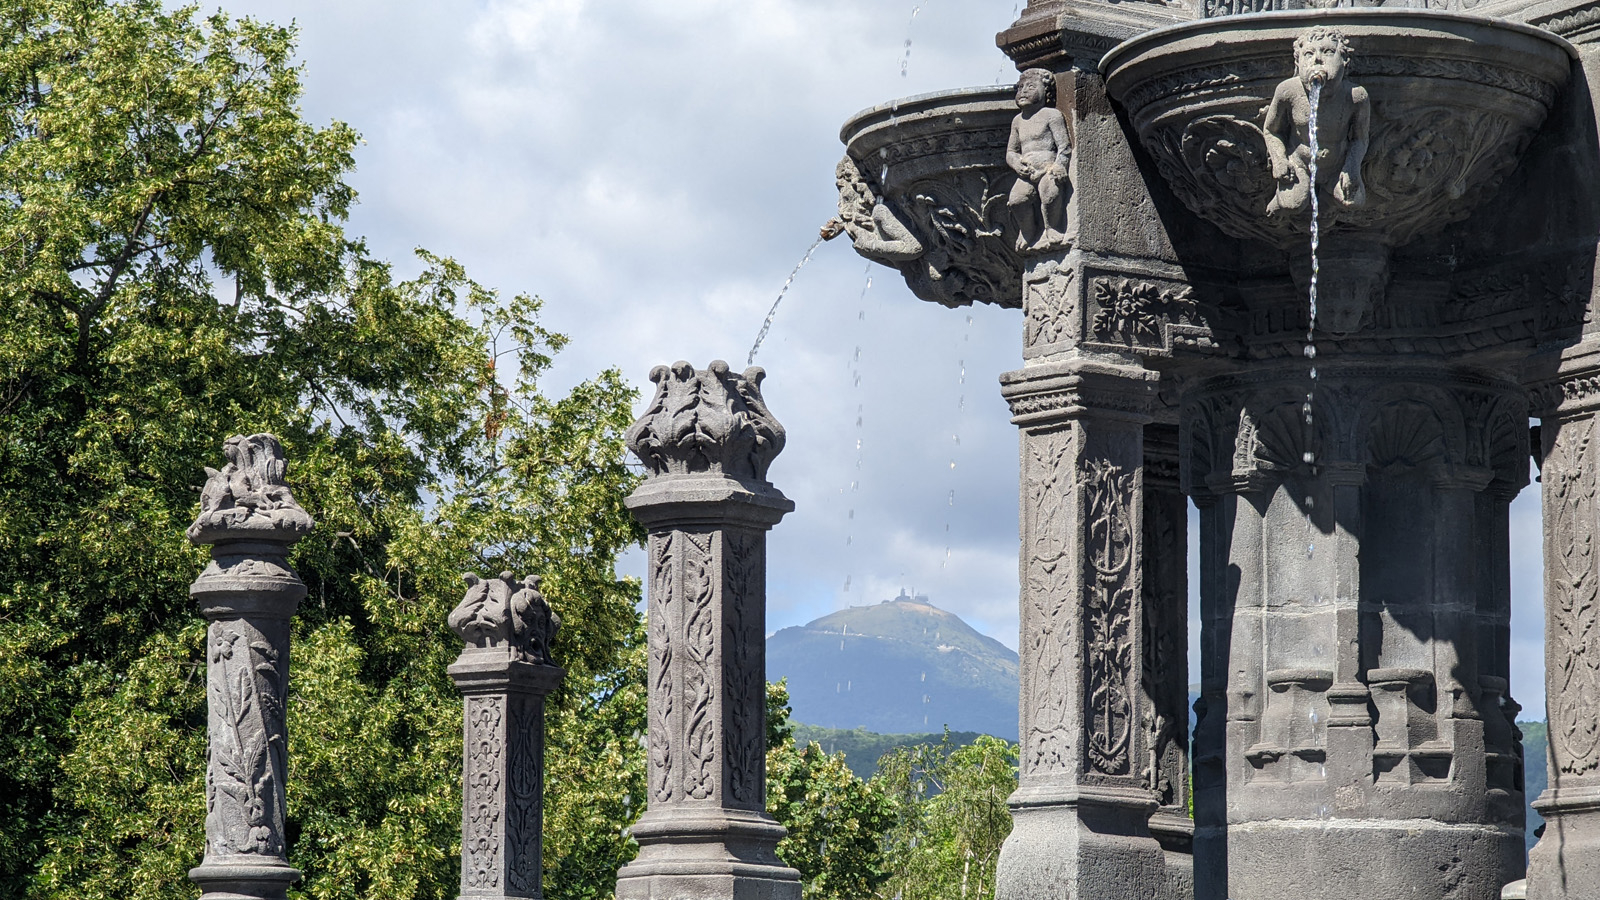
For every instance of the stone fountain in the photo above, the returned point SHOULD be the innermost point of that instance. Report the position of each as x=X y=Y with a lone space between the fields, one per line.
x=1145 y=195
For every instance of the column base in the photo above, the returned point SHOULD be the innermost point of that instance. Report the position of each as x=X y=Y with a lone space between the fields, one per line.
x=243 y=881
x=1080 y=850
x=1175 y=833
x=1335 y=859
x=707 y=854
x=1565 y=864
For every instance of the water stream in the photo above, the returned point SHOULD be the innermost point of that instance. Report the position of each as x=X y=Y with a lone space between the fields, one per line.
x=766 y=324
x=1310 y=455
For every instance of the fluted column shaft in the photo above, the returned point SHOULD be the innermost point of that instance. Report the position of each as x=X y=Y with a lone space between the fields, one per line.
x=707 y=440
x=248 y=594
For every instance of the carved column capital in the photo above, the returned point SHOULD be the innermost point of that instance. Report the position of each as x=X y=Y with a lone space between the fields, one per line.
x=1041 y=395
x=706 y=440
x=248 y=594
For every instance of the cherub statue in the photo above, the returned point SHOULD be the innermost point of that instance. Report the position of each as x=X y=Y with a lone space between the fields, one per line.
x=1038 y=151
x=1344 y=119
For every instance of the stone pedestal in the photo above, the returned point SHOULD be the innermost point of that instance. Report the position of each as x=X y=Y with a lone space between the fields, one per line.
x=1565 y=864
x=1081 y=813
x=248 y=594
x=504 y=676
x=707 y=440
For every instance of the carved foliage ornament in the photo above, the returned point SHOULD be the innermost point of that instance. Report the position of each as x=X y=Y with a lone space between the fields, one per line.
x=1135 y=313
x=1049 y=612
x=699 y=664
x=249 y=497
x=744 y=678
x=1050 y=305
x=485 y=751
x=503 y=612
x=663 y=646
x=1108 y=616
x=525 y=794
x=1570 y=480
x=244 y=788
x=711 y=421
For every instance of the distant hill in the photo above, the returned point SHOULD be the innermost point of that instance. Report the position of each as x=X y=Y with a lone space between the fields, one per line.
x=899 y=667
x=862 y=749
x=1535 y=771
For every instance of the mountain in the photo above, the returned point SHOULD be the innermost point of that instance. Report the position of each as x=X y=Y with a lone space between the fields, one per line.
x=897 y=667
x=862 y=749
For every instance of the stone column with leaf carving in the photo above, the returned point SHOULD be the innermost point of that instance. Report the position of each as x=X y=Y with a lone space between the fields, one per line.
x=706 y=441
x=504 y=674
x=248 y=594
x=1565 y=864
x=1080 y=816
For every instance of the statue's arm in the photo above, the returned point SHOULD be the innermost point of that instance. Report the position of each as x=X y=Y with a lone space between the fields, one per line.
x=1014 y=149
x=1278 y=112
x=1360 y=131
x=1063 y=138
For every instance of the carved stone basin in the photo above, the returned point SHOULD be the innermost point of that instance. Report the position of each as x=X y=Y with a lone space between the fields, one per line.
x=923 y=188
x=1454 y=101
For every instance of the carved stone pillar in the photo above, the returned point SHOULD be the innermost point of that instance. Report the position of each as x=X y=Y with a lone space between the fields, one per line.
x=1354 y=690
x=1565 y=864
x=1080 y=816
x=504 y=675
x=248 y=594
x=707 y=440
x=1165 y=590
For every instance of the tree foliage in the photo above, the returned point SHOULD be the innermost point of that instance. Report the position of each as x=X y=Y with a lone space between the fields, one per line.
x=175 y=270
x=950 y=817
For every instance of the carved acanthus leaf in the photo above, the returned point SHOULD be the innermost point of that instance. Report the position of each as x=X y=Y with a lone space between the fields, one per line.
x=711 y=421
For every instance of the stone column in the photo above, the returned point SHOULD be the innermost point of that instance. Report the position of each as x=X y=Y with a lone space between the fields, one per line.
x=1565 y=864
x=1165 y=590
x=706 y=441
x=1080 y=816
x=248 y=593
x=503 y=675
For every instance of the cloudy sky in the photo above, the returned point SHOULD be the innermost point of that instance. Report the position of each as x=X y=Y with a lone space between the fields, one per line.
x=654 y=170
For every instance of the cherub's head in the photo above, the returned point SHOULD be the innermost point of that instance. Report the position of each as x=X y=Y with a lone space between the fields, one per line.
x=1036 y=87
x=1320 y=55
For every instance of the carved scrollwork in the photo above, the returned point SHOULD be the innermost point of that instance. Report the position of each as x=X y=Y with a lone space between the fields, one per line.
x=485 y=748
x=700 y=679
x=1217 y=165
x=744 y=680
x=1049 y=738
x=1570 y=480
x=961 y=220
x=525 y=795
x=711 y=421
x=1108 y=614
x=662 y=712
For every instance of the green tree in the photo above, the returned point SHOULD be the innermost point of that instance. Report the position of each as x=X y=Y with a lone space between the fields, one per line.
x=950 y=817
x=836 y=821
x=175 y=270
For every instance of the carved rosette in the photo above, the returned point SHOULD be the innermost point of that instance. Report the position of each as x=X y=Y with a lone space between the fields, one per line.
x=707 y=440
x=504 y=674
x=248 y=593
x=923 y=188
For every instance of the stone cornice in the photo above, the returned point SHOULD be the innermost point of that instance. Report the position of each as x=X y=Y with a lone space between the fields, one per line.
x=1080 y=388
